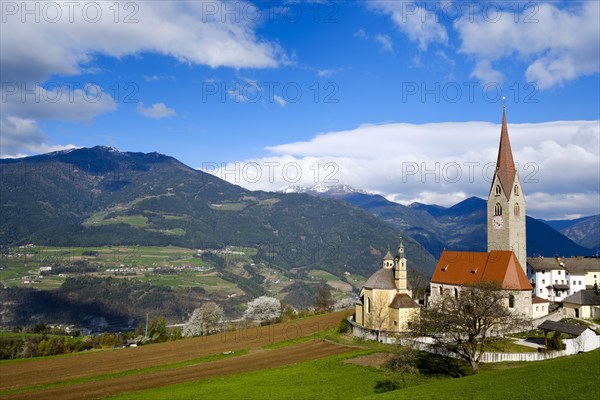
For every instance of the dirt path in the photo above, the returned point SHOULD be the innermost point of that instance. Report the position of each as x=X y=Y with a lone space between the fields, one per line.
x=258 y=360
x=38 y=372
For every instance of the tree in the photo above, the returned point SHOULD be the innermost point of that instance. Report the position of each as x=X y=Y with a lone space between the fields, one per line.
x=379 y=317
x=403 y=362
x=344 y=304
x=263 y=310
x=204 y=320
x=157 y=331
x=323 y=299
x=555 y=342
x=463 y=324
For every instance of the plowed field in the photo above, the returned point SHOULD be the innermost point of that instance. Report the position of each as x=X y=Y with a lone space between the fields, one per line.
x=61 y=369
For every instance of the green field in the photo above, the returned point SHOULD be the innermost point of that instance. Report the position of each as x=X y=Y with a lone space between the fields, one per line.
x=228 y=206
x=574 y=377
x=322 y=275
x=327 y=378
x=209 y=281
x=23 y=263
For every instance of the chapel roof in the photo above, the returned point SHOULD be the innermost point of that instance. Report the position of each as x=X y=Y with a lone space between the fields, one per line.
x=403 y=300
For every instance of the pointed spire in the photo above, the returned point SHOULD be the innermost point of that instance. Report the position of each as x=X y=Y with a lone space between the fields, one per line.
x=505 y=165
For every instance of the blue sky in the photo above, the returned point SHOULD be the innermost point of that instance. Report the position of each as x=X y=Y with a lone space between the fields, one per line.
x=372 y=93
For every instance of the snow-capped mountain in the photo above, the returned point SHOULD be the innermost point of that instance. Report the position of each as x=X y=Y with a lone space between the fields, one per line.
x=320 y=189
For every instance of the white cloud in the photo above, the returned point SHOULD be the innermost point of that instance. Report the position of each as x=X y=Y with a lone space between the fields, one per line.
x=326 y=73
x=361 y=34
x=440 y=162
x=151 y=78
x=486 y=73
x=385 y=43
x=558 y=45
x=21 y=137
x=414 y=21
x=183 y=30
x=155 y=111
x=66 y=101
x=68 y=36
x=279 y=100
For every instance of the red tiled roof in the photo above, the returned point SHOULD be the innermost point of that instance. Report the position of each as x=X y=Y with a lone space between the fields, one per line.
x=505 y=165
x=539 y=300
x=464 y=267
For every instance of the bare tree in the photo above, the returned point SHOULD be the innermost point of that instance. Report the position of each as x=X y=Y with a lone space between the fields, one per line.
x=323 y=299
x=379 y=316
x=403 y=362
x=463 y=324
x=204 y=320
x=263 y=310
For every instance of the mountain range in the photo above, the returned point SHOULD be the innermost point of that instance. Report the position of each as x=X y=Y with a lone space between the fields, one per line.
x=100 y=196
x=463 y=226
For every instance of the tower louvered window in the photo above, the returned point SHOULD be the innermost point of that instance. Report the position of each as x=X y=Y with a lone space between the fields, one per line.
x=498 y=209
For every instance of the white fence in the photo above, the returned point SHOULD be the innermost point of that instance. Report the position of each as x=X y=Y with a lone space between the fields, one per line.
x=587 y=341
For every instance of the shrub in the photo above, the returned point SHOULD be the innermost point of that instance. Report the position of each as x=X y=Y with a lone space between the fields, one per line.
x=386 y=385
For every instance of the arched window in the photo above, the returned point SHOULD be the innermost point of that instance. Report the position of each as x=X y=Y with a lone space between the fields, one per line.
x=516 y=190
x=498 y=209
x=455 y=293
x=517 y=210
x=511 y=301
x=368 y=305
x=441 y=291
x=498 y=190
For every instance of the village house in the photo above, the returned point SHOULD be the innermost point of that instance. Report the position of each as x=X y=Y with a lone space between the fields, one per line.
x=583 y=304
x=539 y=307
x=555 y=278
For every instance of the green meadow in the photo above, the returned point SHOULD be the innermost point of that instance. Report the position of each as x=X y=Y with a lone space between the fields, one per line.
x=574 y=377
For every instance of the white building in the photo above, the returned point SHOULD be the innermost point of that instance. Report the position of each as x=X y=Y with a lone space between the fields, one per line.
x=555 y=278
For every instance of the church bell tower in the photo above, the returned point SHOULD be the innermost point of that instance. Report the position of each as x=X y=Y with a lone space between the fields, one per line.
x=400 y=279
x=506 y=204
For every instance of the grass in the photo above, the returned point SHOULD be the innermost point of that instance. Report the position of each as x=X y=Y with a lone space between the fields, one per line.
x=228 y=206
x=326 y=378
x=508 y=346
x=323 y=275
x=331 y=377
x=210 y=282
x=175 y=232
x=574 y=377
x=289 y=342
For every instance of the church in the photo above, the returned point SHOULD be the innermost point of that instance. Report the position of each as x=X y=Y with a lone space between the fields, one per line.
x=505 y=262
x=385 y=302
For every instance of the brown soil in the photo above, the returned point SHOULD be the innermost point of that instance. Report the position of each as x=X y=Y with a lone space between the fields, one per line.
x=39 y=372
x=370 y=360
x=258 y=360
